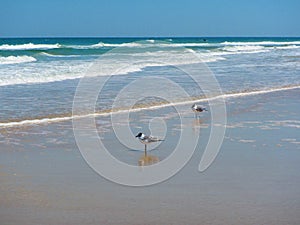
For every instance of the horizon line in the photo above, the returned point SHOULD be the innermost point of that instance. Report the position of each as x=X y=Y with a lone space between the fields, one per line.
x=229 y=36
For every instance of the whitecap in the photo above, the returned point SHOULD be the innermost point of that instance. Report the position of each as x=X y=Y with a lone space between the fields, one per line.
x=16 y=59
x=28 y=46
x=265 y=43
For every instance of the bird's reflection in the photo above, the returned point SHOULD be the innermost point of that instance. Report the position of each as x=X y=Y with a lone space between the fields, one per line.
x=197 y=124
x=147 y=160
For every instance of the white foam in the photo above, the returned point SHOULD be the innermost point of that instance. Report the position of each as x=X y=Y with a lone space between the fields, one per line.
x=42 y=72
x=101 y=44
x=29 y=46
x=34 y=121
x=63 y=70
x=224 y=96
x=59 y=56
x=189 y=45
x=245 y=48
x=258 y=92
x=152 y=43
x=149 y=43
x=16 y=59
x=286 y=123
x=246 y=141
x=287 y=47
x=288 y=139
x=237 y=47
x=232 y=50
x=51 y=71
x=38 y=79
x=151 y=59
x=264 y=43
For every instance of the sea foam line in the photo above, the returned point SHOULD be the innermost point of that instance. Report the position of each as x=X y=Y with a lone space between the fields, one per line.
x=16 y=59
x=148 y=43
x=265 y=43
x=153 y=43
x=28 y=46
x=153 y=107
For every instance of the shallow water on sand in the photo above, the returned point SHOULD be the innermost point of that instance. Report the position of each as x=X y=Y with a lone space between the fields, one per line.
x=254 y=180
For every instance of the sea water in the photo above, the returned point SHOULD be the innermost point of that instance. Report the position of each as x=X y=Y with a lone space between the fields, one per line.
x=39 y=76
x=254 y=179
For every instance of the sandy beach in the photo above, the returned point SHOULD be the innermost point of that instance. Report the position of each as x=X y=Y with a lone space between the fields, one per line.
x=254 y=180
x=150 y=112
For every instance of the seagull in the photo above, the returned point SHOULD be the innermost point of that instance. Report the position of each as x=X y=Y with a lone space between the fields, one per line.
x=147 y=140
x=197 y=109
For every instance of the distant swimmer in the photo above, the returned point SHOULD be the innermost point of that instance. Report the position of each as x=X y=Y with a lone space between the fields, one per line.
x=204 y=39
x=198 y=109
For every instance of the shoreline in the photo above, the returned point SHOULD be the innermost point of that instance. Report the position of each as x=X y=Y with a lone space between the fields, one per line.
x=105 y=113
x=254 y=180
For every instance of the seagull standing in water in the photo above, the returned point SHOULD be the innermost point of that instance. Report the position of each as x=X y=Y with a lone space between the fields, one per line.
x=147 y=140
x=197 y=109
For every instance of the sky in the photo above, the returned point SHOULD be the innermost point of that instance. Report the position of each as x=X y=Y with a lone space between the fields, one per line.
x=149 y=18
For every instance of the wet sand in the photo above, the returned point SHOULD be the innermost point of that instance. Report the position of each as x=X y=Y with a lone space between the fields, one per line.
x=254 y=180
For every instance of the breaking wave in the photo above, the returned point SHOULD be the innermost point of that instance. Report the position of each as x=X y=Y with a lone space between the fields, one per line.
x=16 y=59
x=29 y=46
x=66 y=117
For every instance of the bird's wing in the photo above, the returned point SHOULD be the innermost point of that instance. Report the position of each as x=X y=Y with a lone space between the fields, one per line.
x=154 y=139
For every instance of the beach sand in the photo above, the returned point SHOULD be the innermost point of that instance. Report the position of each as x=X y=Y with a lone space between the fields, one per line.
x=254 y=180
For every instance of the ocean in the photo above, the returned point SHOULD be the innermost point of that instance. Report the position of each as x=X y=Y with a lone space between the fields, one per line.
x=48 y=177
x=38 y=76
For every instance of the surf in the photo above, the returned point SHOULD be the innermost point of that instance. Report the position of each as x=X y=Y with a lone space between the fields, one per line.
x=16 y=59
x=29 y=46
x=140 y=107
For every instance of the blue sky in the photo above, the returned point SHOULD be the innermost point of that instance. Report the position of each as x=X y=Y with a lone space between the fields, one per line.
x=149 y=18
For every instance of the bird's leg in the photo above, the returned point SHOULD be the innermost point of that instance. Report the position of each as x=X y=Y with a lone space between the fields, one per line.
x=145 y=150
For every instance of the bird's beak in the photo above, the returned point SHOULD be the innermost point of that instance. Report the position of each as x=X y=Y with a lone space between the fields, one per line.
x=136 y=136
